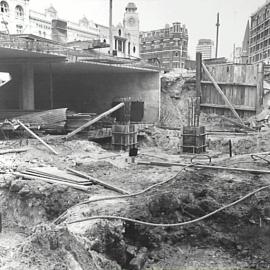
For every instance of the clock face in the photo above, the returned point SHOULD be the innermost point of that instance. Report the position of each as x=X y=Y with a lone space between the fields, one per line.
x=131 y=21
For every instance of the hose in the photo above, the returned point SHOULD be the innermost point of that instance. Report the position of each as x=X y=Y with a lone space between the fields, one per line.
x=122 y=196
x=172 y=224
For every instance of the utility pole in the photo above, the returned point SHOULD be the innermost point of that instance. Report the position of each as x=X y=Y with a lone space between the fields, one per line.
x=110 y=29
x=217 y=24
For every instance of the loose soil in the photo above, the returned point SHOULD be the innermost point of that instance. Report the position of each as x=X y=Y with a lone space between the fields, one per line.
x=235 y=238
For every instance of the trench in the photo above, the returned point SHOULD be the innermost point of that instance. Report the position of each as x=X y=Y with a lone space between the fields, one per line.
x=240 y=234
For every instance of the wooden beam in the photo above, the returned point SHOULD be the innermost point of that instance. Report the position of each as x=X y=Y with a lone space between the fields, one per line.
x=97 y=181
x=36 y=136
x=259 y=96
x=169 y=164
x=222 y=94
x=91 y=122
x=51 y=86
x=237 y=107
x=8 y=151
x=198 y=74
x=231 y=83
x=236 y=123
x=76 y=186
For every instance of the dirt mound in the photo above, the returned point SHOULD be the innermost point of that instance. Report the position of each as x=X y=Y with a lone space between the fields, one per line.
x=257 y=142
x=174 y=95
x=168 y=140
x=56 y=248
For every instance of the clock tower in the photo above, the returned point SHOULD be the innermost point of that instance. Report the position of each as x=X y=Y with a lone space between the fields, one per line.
x=131 y=25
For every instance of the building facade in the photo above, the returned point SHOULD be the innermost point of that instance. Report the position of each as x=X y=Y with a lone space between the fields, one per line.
x=168 y=46
x=259 y=35
x=125 y=35
x=205 y=47
x=18 y=18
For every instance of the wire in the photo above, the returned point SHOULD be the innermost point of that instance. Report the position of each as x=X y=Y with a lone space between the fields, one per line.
x=172 y=224
x=122 y=196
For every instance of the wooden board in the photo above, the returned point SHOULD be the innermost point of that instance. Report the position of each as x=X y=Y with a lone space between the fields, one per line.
x=58 y=173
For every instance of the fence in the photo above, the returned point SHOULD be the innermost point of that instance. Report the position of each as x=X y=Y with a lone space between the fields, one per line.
x=242 y=84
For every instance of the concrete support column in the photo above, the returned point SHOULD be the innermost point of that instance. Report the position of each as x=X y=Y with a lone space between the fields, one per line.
x=27 y=91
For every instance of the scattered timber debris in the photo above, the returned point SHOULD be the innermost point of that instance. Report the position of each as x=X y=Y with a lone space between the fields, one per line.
x=70 y=178
x=34 y=135
x=9 y=151
x=54 y=176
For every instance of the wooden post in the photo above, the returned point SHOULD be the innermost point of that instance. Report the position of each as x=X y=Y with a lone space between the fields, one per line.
x=94 y=120
x=259 y=96
x=51 y=86
x=222 y=94
x=198 y=74
x=110 y=28
x=230 y=147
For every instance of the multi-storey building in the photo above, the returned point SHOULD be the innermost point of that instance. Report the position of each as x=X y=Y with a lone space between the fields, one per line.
x=18 y=18
x=126 y=35
x=167 y=46
x=259 y=34
x=205 y=47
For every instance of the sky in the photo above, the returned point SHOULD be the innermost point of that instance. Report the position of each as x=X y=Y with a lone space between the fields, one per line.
x=199 y=16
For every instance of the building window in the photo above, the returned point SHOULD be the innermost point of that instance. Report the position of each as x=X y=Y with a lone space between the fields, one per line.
x=119 y=45
x=119 y=32
x=134 y=49
x=19 y=29
x=129 y=48
x=19 y=11
x=4 y=7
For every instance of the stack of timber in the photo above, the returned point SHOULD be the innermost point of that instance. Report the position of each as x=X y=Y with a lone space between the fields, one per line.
x=55 y=176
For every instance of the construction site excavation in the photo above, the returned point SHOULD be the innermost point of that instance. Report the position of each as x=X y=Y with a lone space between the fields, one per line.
x=119 y=152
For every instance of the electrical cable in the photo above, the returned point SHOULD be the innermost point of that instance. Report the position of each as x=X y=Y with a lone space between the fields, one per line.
x=172 y=224
x=122 y=196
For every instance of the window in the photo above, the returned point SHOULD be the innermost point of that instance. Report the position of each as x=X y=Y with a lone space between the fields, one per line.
x=129 y=48
x=19 y=11
x=19 y=29
x=119 y=45
x=119 y=32
x=134 y=49
x=4 y=7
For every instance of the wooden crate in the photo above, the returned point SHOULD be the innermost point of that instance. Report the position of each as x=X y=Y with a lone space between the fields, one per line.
x=194 y=140
x=124 y=137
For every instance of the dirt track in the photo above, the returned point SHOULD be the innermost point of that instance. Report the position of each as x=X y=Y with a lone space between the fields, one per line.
x=235 y=238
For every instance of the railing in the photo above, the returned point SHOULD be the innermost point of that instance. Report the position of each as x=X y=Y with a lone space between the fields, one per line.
x=14 y=42
x=71 y=54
